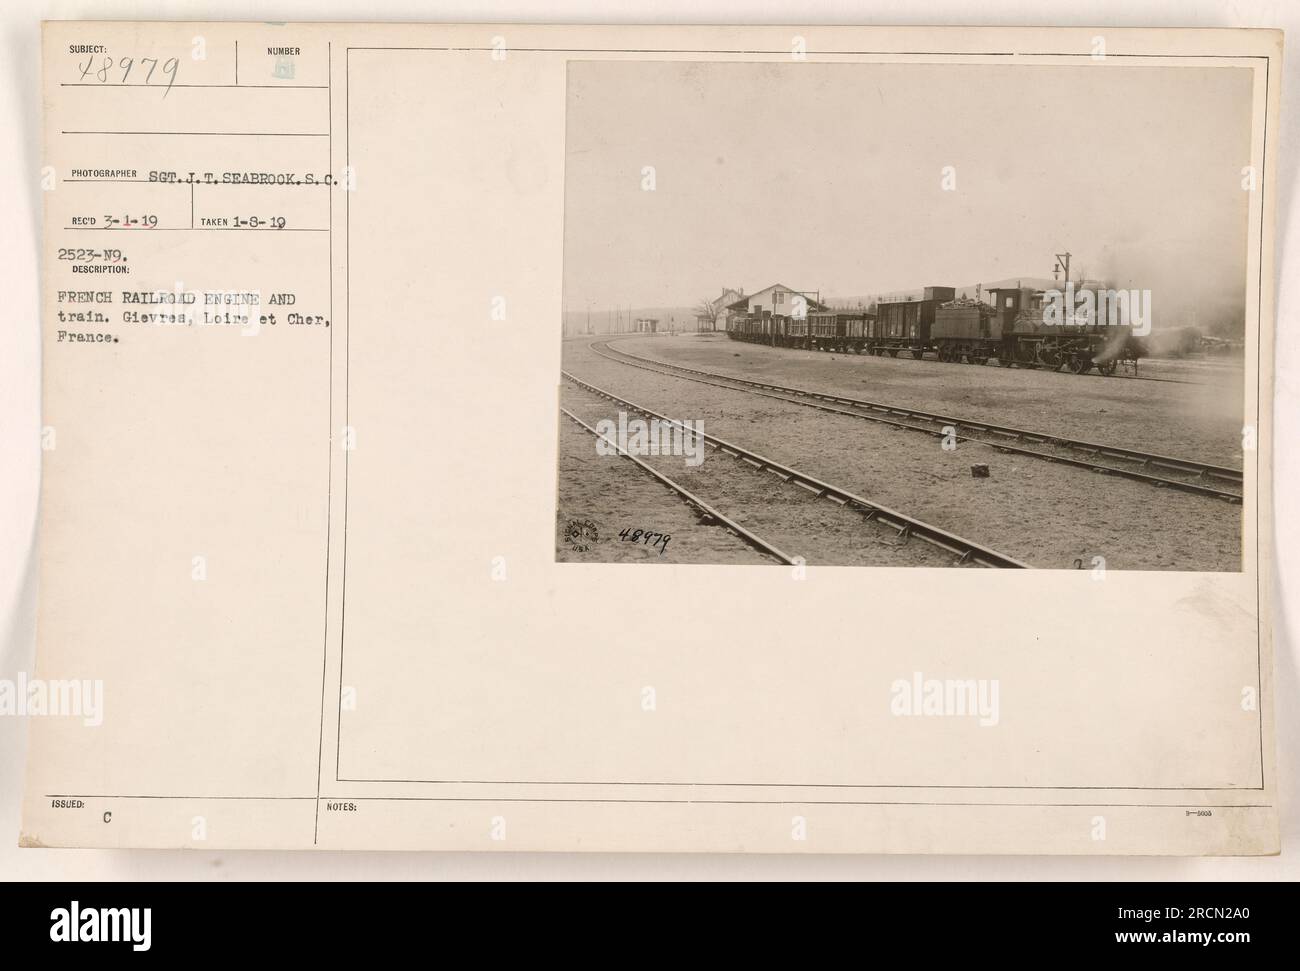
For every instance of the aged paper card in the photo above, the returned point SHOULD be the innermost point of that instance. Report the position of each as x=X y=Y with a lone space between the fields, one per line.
x=675 y=439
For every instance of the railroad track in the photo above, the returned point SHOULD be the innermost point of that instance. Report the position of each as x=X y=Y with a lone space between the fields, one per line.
x=1161 y=471
x=966 y=551
x=753 y=539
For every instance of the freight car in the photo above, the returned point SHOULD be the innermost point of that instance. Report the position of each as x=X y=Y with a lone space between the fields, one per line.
x=904 y=325
x=840 y=330
x=820 y=329
x=1015 y=330
x=756 y=328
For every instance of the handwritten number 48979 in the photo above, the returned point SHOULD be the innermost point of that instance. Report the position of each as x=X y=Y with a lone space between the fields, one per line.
x=129 y=70
x=646 y=538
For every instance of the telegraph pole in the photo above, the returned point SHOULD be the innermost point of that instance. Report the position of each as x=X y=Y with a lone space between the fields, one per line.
x=1062 y=264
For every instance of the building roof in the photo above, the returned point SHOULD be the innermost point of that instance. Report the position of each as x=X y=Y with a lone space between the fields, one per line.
x=743 y=302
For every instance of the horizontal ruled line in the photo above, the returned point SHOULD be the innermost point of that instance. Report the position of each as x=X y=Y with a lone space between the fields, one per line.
x=792 y=785
x=687 y=802
x=786 y=52
x=256 y=134
x=155 y=87
x=197 y=229
x=213 y=184
x=152 y=796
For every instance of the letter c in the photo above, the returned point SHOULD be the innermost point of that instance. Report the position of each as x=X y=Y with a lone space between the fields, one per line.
x=108 y=817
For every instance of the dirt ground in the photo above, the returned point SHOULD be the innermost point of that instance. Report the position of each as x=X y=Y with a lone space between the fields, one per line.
x=612 y=494
x=1046 y=515
x=785 y=515
x=1189 y=409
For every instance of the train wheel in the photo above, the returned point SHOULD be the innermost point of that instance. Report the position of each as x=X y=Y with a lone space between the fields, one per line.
x=1079 y=365
x=1107 y=369
x=917 y=353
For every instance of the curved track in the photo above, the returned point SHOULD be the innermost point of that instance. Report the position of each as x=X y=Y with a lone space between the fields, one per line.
x=966 y=551
x=753 y=539
x=1180 y=474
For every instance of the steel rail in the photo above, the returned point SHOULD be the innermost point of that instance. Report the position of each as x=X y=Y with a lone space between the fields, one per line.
x=803 y=396
x=753 y=539
x=966 y=551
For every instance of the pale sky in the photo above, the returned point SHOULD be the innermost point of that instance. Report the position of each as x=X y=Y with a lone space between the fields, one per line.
x=827 y=177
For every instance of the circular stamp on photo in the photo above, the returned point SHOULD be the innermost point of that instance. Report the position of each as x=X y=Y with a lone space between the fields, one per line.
x=580 y=535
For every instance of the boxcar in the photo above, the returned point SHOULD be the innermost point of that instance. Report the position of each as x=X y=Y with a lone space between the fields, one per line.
x=904 y=325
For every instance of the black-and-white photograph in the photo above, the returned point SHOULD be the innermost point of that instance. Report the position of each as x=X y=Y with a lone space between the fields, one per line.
x=906 y=314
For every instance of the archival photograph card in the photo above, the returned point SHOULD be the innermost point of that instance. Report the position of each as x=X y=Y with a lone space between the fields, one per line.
x=729 y=439
x=863 y=178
